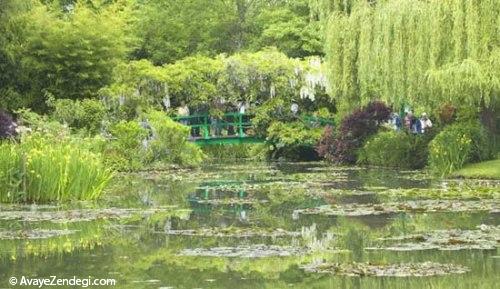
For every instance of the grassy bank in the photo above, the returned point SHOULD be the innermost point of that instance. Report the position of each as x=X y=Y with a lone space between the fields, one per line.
x=483 y=170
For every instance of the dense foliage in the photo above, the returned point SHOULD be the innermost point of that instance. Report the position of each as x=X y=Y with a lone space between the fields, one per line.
x=171 y=30
x=118 y=70
x=420 y=53
x=154 y=141
x=293 y=140
x=397 y=149
x=87 y=114
x=352 y=133
x=44 y=168
x=458 y=144
x=63 y=54
x=388 y=149
x=69 y=49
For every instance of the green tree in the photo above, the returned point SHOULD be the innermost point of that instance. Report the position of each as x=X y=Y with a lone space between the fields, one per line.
x=173 y=29
x=12 y=28
x=67 y=54
x=421 y=53
x=290 y=27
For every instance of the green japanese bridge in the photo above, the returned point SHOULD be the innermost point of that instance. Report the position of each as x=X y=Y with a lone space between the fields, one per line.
x=231 y=128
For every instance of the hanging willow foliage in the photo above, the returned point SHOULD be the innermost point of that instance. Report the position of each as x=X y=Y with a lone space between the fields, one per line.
x=420 y=53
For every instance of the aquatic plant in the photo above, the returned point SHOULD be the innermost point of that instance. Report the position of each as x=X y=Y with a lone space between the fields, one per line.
x=233 y=232
x=42 y=170
x=81 y=215
x=457 y=145
x=251 y=251
x=421 y=206
x=484 y=238
x=386 y=270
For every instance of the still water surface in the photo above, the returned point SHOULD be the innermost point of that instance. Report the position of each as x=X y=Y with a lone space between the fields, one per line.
x=241 y=204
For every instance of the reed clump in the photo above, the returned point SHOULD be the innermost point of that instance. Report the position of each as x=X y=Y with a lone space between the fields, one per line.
x=39 y=169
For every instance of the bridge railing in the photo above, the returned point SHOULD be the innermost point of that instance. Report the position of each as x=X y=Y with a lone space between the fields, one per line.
x=204 y=125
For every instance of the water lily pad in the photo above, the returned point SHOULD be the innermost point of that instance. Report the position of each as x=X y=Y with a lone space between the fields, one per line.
x=230 y=201
x=77 y=215
x=485 y=238
x=33 y=234
x=390 y=270
x=355 y=209
x=233 y=232
x=252 y=251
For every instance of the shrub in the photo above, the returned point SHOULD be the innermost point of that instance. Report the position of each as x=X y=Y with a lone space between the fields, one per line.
x=133 y=147
x=43 y=169
x=457 y=145
x=293 y=141
x=353 y=131
x=420 y=148
x=229 y=151
x=125 y=151
x=7 y=125
x=397 y=149
x=170 y=141
x=80 y=114
x=326 y=145
x=388 y=149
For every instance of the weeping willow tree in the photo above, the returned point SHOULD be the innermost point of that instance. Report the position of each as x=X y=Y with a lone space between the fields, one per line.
x=420 y=53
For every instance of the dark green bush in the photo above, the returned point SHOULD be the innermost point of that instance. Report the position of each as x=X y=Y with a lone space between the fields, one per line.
x=294 y=141
x=388 y=149
x=397 y=149
x=80 y=114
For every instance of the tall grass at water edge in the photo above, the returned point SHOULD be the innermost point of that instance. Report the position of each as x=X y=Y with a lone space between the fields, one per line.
x=38 y=170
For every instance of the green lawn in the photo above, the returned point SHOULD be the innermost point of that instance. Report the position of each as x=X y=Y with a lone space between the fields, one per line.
x=483 y=170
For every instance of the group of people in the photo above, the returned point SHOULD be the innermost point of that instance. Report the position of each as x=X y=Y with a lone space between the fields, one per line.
x=411 y=123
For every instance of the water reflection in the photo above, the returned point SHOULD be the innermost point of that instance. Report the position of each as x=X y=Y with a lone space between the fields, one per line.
x=139 y=253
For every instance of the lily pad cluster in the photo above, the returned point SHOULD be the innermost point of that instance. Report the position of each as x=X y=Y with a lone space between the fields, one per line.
x=230 y=201
x=251 y=251
x=485 y=238
x=33 y=234
x=421 y=206
x=425 y=269
x=76 y=215
x=233 y=232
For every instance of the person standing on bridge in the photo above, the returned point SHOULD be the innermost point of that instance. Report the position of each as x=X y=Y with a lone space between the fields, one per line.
x=183 y=112
x=242 y=108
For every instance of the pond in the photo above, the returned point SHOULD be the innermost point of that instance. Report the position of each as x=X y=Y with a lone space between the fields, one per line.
x=259 y=225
